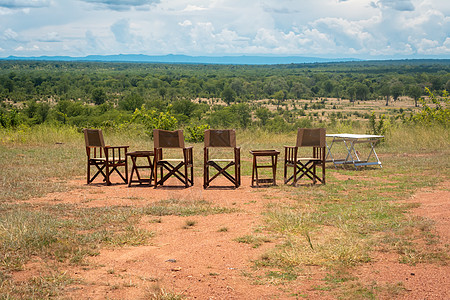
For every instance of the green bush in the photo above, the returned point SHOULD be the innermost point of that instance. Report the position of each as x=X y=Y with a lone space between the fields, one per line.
x=437 y=112
x=152 y=119
x=196 y=133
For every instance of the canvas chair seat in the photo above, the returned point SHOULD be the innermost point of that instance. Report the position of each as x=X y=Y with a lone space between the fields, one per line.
x=222 y=160
x=172 y=159
x=111 y=159
x=306 y=166
x=221 y=139
x=308 y=159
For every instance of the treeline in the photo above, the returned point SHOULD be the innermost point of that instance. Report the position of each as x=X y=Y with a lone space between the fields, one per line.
x=94 y=94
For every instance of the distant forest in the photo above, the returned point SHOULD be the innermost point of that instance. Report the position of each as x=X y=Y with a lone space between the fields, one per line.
x=109 y=94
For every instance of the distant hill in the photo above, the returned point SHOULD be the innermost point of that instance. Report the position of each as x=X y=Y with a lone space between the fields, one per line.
x=185 y=59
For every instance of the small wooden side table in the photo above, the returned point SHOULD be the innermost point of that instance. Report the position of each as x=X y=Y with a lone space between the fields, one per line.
x=135 y=169
x=273 y=154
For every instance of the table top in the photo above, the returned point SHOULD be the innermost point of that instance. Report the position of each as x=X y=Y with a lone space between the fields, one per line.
x=355 y=136
x=141 y=153
x=264 y=152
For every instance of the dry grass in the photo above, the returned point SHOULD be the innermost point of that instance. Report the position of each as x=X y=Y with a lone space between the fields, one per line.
x=327 y=226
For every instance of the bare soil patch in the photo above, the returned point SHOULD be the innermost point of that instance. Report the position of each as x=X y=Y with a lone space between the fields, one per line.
x=421 y=281
x=205 y=261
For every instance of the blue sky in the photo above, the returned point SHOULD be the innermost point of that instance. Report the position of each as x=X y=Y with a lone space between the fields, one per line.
x=372 y=29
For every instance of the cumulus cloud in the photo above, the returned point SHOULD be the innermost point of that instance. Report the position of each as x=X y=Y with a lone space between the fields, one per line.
x=329 y=28
x=193 y=8
x=51 y=37
x=122 y=32
x=185 y=23
x=33 y=48
x=400 y=5
x=19 y=4
x=10 y=34
x=122 y=5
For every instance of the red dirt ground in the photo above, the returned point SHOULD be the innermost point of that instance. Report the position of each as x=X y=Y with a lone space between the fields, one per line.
x=203 y=262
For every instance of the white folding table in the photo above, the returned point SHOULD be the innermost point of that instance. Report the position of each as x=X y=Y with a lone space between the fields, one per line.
x=353 y=156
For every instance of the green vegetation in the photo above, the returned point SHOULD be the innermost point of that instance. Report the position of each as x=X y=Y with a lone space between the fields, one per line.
x=275 y=98
x=335 y=227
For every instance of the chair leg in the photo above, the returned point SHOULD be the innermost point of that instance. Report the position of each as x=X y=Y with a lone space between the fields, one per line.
x=88 y=172
x=323 y=171
x=186 y=175
x=236 y=175
x=126 y=170
x=314 y=172
x=294 y=182
x=108 y=182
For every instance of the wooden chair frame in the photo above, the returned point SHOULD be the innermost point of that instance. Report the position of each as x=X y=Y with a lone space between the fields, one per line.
x=221 y=139
x=172 y=139
x=306 y=166
x=106 y=159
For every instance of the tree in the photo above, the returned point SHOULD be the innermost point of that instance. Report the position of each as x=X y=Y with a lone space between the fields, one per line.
x=447 y=86
x=280 y=96
x=352 y=93
x=396 y=90
x=386 y=92
x=98 y=96
x=131 y=102
x=242 y=112
x=415 y=92
x=228 y=95
x=263 y=114
x=361 y=91
x=328 y=86
x=162 y=92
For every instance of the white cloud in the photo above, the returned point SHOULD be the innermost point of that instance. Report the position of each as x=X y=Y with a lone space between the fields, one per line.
x=33 y=48
x=10 y=34
x=191 y=8
x=185 y=23
x=311 y=28
x=51 y=37
x=399 y=5
x=19 y=4
x=122 y=5
x=122 y=32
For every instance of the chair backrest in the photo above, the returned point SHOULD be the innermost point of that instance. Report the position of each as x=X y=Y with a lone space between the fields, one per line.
x=220 y=138
x=168 y=139
x=307 y=137
x=93 y=138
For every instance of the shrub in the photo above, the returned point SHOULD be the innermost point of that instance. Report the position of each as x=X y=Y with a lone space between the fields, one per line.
x=196 y=133
x=380 y=127
x=152 y=119
x=437 y=113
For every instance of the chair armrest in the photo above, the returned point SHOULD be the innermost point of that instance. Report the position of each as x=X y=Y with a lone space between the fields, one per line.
x=237 y=155
x=290 y=153
x=188 y=156
x=116 y=152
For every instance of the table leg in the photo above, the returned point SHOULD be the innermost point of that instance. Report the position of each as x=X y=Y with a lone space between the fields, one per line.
x=133 y=168
x=253 y=170
x=256 y=171
x=274 y=169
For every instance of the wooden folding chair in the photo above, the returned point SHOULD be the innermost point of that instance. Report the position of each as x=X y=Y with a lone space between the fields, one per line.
x=106 y=159
x=178 y=167
x=221 y=139
x=306 y=166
